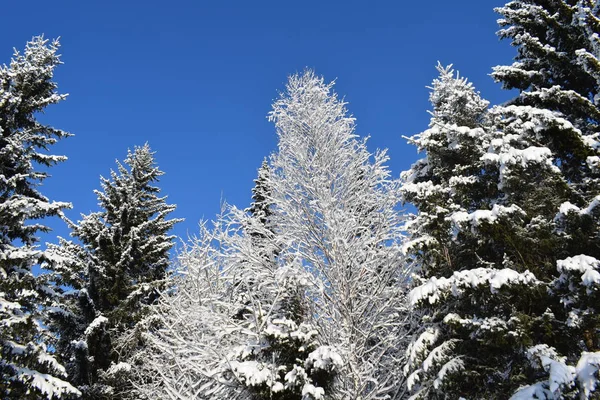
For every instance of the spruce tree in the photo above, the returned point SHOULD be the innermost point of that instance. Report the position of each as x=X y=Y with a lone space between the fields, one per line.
x=28 y=368
x=507 y=231
x=282 y=344
x=557 y=69
x=116 y=269
x=261 y=195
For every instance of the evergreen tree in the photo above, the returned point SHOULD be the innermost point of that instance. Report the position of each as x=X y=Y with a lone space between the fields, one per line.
x=28 y=369
x=282 y=344
x=117 y=269
x=261 y=195
x=508 y=298
x=263 y=239
x=557 y=69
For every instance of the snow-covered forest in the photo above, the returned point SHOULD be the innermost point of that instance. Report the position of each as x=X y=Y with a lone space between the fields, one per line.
x=325 y=287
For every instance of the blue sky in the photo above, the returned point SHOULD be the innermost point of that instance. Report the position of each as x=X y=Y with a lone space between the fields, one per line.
x=196 y=79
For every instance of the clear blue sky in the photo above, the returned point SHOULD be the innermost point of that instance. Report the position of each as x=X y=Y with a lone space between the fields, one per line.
x=196 y=79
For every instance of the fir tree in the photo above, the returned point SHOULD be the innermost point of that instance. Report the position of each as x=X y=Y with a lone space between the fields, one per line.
x=117 y=269
x=261 y=195
x=557 y=69
x=28 y=369
x=506 y=294
x=282 y=341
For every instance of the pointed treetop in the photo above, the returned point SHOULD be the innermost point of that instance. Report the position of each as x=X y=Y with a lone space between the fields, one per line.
x=455 y=99
x=308 y=107
x=261 y=193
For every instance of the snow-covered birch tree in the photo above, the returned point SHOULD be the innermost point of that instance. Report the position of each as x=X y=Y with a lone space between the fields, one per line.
x=335 y=212
x=300 y=297
x=115 y=271
x=236 y=325
x=28 y=369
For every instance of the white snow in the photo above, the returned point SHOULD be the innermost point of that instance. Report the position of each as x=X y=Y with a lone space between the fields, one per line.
x=423 y=189
x=434 y=288
x=587 y=371
x=253 y=373
x=567 y=207
x=45 y=358
x=590 y=141
x=413 y=379
x=324 y=358
x=560 y=375
x=46 y=384
x=530 y=155
x=296 y=376
x=532 y=392
x=462 y=180
x=454 y=365
x=593 y=162
x=424 y=240
x=121 y=367
x=277 y=387
x=8 y=306
x=79 y=344
x=477 y=217
x=489 y=324
x=438 y=354
x=586 y=265
x=98 y=321
x=15 y=348
x=317 y=393
x=418 y=347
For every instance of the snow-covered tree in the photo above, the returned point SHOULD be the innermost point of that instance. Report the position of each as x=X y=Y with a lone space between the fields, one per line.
x=282 y=343
x=261 y=195
x=115 y=270
x=300 y=297
x=335 y=212
x=507 y=296
x=557 y=69
x=28 y=368
x=235 y=326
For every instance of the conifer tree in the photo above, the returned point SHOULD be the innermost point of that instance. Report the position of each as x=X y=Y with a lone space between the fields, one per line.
x=28 y=369
x=507 y=231
x=557 y=69
x=261 y=195
x=116 y=269
x=282 y=342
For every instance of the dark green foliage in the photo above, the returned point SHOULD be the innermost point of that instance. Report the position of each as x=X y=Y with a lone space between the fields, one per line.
x=508 y=222
x=28 y=369
x=117 y=270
